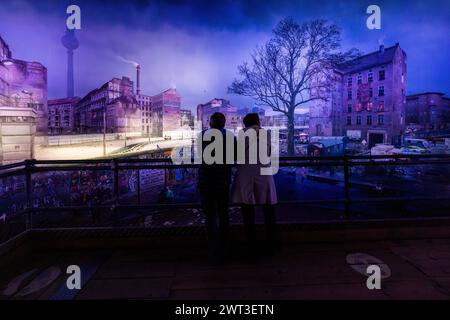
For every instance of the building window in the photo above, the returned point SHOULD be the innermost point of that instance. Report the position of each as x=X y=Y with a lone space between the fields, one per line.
x=369 y=106
x=349 y=94
x=349 y=82
x=381 y=91
x=349 y=120
x=358 y=120
x=370 y=76
x=349 y=108
x=381 y=75
x=369 y=120
x=371 y=92
x=359 y=79
x=358 y=107
x=380 y=119
x=380 y=106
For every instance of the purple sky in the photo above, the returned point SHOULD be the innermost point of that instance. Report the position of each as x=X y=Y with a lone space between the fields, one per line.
x=197 y=45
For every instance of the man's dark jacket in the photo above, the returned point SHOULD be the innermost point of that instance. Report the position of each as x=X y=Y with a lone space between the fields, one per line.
x=215 y=176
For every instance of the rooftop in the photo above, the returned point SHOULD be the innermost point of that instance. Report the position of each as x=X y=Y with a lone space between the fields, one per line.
x=379 y=57
x=416 y=95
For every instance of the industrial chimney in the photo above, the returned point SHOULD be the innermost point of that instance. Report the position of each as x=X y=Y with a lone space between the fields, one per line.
x=138 y=74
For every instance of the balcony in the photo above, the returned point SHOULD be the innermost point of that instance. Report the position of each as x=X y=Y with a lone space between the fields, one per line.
x=134 y=241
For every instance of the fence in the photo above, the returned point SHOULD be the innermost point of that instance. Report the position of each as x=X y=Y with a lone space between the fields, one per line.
x=62 y=191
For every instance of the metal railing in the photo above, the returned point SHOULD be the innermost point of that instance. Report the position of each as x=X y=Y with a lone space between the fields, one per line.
x=28 y=168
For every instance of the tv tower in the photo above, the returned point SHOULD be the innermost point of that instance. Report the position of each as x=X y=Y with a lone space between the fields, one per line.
x=71 y=43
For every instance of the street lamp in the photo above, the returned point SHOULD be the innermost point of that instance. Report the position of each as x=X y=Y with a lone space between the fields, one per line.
x=126 y=128
x=29 y=93
x=104 y=131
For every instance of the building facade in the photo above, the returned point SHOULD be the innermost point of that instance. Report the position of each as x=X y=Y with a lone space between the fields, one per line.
x=186 y=118
x=325 y=116
x=367 y=100
x=112 y=106
x=23 y=106
x=281 y=121
x=204 y=112
x=61 y=115
x=123 y=116
x=428 y=111
x=165 y=113
x=145 y=104
x=26 y=85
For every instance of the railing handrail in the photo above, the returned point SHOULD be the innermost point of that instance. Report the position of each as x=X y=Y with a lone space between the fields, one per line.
x=116 y=165
x=166 y=163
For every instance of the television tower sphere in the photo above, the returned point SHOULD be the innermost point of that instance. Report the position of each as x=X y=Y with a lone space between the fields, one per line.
x=69 y=40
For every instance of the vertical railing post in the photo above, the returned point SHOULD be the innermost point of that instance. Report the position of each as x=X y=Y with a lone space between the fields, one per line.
x=29 y=164
x=115 y=167
x=139 y=186
x=347 y=187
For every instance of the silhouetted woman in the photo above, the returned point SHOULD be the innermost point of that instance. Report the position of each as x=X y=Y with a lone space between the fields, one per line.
x=251 y=188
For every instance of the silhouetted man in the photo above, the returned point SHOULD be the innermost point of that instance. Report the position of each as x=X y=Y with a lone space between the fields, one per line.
x=214 y=184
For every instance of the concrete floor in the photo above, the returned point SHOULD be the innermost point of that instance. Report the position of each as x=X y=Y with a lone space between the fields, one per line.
x=420 y=269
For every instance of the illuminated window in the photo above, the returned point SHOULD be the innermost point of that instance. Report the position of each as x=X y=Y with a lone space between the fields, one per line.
x=358 y=107
x=381 y=106
x=369 y=106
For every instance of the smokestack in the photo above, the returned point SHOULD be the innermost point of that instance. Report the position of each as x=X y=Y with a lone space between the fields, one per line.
x=138 y=74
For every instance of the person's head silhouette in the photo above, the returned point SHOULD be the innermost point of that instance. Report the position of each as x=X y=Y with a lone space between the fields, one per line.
x=217 y=120
x=251 y=119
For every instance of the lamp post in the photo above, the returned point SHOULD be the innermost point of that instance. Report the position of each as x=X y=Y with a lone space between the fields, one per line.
x=104 y=131
x=126 y=128
x=30 y=94
x=149 y=128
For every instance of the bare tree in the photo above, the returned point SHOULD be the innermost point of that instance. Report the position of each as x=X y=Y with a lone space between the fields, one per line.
x=296 y=66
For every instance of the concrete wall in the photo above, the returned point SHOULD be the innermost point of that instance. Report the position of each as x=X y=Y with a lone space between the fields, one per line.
x=78 y=139
x=30 y=77
x=17 y=130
